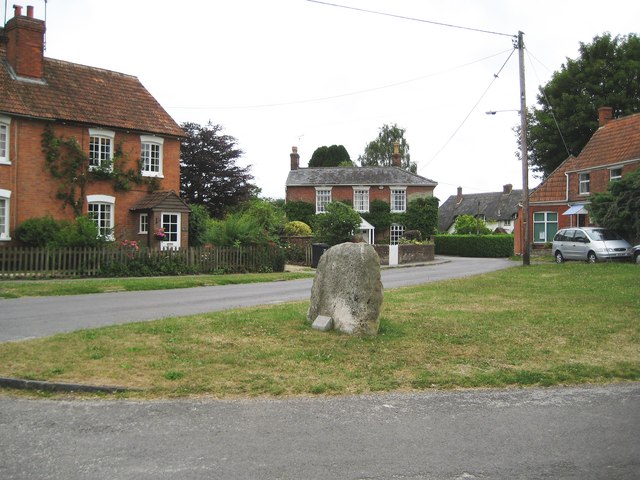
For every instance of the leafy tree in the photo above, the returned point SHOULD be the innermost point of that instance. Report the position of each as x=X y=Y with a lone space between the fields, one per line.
x=469 y=225
x=209 y=175
x=333 y=156
x=378 y=152
x=199 y=221
x=337 y=224
x=37 y=232
x=266 y=214
x=607 y=73
x=422 y=215
x=300 y=211
x=619 y=207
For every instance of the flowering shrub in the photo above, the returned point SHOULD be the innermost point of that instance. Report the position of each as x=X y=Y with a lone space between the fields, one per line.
x=129 y=246
x=159 y=233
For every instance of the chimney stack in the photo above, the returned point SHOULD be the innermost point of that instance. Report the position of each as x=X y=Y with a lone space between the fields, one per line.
x=459 y=198
x=295 y=158
x=396 y=158
x=25 y=43
x=604 y=115
x=506 y=189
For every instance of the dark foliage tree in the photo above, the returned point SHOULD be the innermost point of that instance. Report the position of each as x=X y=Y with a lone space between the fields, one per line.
x=619 y=207
x=607 y=73
x=209 y=175
x=422 y=215
x=378 y=152
x=333 y=156
x=300 y=211
x=199 y=221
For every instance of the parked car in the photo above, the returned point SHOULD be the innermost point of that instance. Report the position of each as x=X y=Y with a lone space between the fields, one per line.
x=635 y=251
x=590 y=244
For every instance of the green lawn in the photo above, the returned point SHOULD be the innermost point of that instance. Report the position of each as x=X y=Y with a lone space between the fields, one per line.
x=545 y=324
x=34 y=288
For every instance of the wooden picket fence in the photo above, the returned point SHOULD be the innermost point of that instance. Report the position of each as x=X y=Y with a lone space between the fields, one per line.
x=26 y=262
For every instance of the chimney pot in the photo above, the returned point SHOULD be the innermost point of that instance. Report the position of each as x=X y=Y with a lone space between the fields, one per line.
x=396 y=158
x=604 y=115
x=17 y=10
x=459 y=194
x=30 y=11
x=295 y=158
x=506 y=189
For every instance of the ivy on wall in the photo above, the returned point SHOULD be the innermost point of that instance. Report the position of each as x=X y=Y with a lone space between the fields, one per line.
x=68 y=163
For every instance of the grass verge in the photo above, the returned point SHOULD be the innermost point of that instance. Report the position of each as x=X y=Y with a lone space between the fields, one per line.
x=35 y=288
x=539 y=325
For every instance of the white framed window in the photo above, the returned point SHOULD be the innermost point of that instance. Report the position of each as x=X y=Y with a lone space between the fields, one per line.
x=397 y=231
x=5 y=123
x=399 y=199
x=5 y=197
x=101 y=149
x=361 y=199
x=545 y=226
x=584 y=182
x=323 y=196
x=615 y=174
x=144 y=223
x=507 y=223
x=151 y=155
x=101 y=209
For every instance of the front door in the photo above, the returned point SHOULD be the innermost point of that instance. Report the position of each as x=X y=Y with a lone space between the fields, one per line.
x=171 y=225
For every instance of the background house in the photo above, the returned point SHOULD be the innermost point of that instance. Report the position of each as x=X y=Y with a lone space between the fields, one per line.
x=130 y=145
x=499 y=210
x=358 y=186
x=561 y=200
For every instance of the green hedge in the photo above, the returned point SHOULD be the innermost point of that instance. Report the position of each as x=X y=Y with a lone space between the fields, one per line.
x=475 y=245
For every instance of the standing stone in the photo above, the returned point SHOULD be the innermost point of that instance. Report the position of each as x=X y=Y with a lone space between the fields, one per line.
x=348 y=289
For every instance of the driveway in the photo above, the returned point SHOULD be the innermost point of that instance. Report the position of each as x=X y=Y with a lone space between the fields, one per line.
x=32 y=317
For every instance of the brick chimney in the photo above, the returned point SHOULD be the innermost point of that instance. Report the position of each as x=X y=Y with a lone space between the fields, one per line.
x=604 y=115
x=295 y=158
x=25 y=43
x=396 y=158
x=459 y=197
x=506 y=189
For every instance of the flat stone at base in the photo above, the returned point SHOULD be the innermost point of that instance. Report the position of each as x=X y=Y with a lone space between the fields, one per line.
x=322 y=323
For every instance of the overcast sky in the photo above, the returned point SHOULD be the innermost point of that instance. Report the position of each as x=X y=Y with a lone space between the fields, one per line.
x=281 y=73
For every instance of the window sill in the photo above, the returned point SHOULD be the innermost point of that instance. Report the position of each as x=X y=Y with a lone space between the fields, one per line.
x=5 y=162
x=152 y=175
x=4 y=238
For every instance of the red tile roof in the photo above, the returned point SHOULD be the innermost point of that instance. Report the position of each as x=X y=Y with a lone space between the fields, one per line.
x=616 y=142
x=88 y=95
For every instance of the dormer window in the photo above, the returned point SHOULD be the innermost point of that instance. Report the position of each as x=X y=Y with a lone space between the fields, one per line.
x=101 y=149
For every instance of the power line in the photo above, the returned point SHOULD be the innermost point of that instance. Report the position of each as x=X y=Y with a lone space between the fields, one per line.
x=341 y=95
x=402 y=17
x=495 y=77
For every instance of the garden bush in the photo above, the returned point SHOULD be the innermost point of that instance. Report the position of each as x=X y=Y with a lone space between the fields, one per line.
x=491 y=246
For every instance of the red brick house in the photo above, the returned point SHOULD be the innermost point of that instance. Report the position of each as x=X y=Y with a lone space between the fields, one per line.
x=359 y=186
x=78 y=140
x=562 y=199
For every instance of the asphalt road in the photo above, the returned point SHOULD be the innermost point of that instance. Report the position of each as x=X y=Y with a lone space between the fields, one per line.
x=584 y=433
x=31 y=317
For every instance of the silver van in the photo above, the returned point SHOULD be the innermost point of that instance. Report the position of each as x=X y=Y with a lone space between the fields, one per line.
x=590 y=244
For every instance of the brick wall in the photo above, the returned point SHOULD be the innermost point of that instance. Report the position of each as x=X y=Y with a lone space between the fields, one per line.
x=34 y=189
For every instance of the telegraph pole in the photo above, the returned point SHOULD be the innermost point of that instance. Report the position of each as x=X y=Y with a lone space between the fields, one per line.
x=526 y=244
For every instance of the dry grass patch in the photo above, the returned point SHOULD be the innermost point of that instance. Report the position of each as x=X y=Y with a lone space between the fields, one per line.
x=514 y=327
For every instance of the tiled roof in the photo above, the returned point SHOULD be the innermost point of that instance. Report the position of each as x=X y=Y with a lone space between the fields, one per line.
x=356 y=176
x=554 y=187
x=159 y=200
x=93 y=96
x=616 y=142
x=493 y=205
